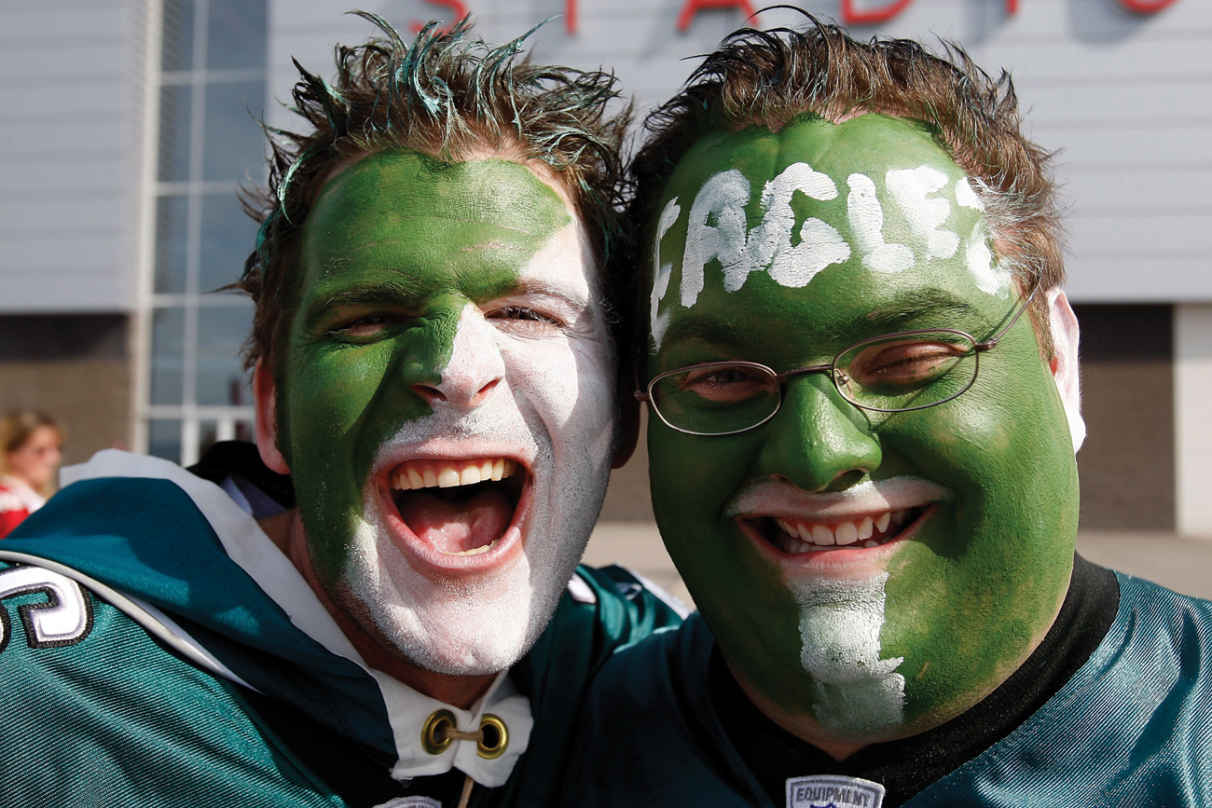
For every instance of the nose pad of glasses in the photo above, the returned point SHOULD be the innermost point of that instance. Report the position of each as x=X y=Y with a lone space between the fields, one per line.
x=842 y=381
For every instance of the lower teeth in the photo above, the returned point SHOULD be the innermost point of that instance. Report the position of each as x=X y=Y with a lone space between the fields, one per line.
x=475 y=550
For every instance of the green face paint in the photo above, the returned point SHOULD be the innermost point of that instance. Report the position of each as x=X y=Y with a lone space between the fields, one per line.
x=785 y=249
x=437 y=300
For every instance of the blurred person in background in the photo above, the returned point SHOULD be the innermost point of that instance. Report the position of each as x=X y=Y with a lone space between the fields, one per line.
x=29 y=462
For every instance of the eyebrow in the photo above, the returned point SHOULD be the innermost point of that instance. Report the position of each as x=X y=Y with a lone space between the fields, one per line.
x=377 y=294
x=702 y=328
x=910 y=308
x=403 y=296
x=542 y=288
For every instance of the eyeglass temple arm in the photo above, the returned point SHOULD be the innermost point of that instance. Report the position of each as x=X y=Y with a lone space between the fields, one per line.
x=981 y=347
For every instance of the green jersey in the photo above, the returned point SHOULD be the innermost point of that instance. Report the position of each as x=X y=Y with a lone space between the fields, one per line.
x=157 y=649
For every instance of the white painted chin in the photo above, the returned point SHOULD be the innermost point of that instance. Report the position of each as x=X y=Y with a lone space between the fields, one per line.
x=857 y=692
x=459 y=626
x=470 y=625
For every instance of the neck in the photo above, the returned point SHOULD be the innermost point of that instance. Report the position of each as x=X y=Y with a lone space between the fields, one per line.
x=801 y=725
x=287 y=532
x=840 y=746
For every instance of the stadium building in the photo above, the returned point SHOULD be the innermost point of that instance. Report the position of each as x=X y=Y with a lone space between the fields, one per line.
x=129 y=126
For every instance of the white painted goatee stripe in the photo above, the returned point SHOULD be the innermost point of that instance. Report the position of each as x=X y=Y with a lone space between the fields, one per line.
x=840 y=622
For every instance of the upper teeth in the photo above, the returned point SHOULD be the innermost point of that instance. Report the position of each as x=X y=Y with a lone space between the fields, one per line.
x=448 y=474
x=820 y=534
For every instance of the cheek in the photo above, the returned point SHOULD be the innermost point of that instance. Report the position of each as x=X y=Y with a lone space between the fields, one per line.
x=332 y=398
x=569 y=385
x=692 y=480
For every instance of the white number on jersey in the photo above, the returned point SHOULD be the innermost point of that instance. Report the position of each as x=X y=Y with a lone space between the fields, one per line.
x=64 y=619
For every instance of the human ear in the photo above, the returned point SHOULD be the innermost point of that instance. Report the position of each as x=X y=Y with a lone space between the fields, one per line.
x=264 y=396
x=1063 y=324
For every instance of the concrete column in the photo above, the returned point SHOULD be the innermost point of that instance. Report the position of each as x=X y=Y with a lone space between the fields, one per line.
x=1193 y=418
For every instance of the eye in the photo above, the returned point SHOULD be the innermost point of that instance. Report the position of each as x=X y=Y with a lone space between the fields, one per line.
x=725 y=384
x=365 y=328
x=525 y=319
x=903 y=365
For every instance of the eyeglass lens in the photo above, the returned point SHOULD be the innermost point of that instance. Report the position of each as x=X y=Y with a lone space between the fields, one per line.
x=892 y=373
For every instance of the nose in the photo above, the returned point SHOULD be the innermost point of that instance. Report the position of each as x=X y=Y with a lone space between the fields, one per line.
x=473 y=369
x=818 y=440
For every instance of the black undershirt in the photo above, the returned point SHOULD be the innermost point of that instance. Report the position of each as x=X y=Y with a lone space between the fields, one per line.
x=907 y=766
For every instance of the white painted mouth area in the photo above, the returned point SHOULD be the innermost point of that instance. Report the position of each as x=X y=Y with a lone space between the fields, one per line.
x=779 y=498
x=856 y=692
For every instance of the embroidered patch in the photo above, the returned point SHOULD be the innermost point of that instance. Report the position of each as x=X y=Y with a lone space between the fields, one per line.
x=833 y=791
x=64 y=619
x=411 y=802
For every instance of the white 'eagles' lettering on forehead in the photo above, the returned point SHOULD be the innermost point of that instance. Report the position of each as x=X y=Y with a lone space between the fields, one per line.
x=716 y=229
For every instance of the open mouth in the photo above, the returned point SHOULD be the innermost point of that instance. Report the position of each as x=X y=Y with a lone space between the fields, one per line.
x=797 y=537
x=459 y=508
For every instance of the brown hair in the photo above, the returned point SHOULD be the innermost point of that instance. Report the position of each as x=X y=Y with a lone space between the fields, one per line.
x=446 y=96
x=769 y=78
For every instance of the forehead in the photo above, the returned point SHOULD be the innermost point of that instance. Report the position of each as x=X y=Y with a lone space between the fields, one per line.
x=867 y=214
x=476 y=223
x=872 y=143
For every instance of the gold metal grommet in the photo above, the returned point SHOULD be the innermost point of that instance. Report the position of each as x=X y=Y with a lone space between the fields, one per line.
x=436 y=735
x=494 y=737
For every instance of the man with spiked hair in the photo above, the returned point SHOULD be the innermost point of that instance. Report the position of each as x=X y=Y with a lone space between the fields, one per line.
x=862 y=373
x=362 y=620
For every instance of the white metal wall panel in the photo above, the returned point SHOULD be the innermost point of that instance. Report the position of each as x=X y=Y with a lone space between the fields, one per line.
x=68 y=155
x=1123 y=96
x=1192 y=413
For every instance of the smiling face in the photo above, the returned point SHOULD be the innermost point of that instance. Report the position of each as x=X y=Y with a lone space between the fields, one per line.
x=868 y=574
x=447 y=404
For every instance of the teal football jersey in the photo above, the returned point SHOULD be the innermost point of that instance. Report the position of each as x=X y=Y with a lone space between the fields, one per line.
x=1132 y=727
x=141 y=663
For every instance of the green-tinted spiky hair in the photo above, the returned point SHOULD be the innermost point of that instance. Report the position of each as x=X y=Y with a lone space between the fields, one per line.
x=446 y=95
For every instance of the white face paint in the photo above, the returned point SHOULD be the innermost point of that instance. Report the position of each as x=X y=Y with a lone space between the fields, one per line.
x=658 y=322
x=717 y=231
x=990 y=278
x=913 y=191
x=723 y=197
x=820 y=243
x=867 y=222
x=554 y=408
x=965 y=197
x=855 y=691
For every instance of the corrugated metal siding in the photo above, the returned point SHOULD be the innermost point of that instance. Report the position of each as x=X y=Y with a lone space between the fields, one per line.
x=70 y=89
x=1123 y=96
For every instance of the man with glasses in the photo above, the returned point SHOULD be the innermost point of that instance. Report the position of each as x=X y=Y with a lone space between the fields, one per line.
x=862 y=374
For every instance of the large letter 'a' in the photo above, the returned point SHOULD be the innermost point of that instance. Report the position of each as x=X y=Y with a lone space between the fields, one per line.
x=64 y=619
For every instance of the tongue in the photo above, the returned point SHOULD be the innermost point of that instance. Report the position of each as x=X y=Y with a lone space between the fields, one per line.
x=457 y=526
